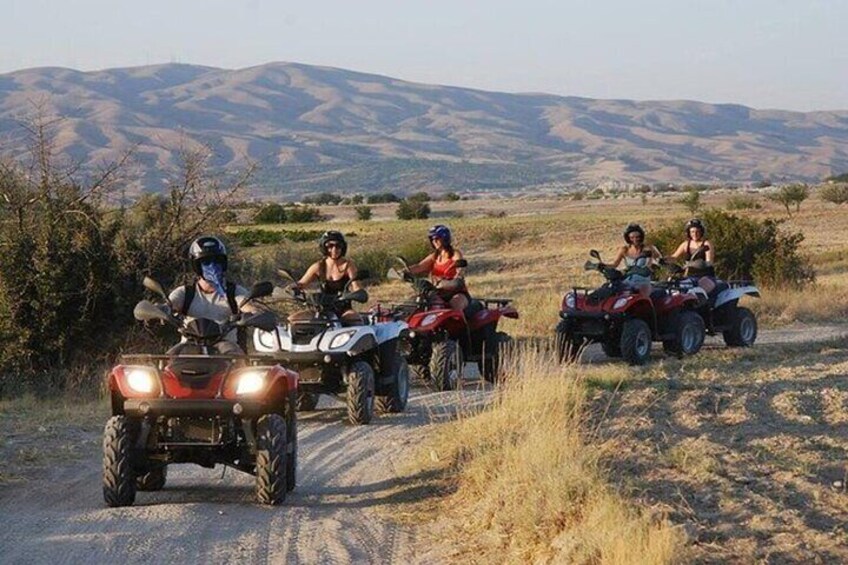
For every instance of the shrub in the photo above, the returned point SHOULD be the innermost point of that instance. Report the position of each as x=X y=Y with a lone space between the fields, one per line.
x=692 y=200
x=413 y=210
x=836 y=193
x=383 y=198
x=419 y=197
x=747 y=249
x=251 y=237
x=363 y=212
x=451 y=197
x=323 y=198
x=742 y=202
x=303 y=214
x=271 y=214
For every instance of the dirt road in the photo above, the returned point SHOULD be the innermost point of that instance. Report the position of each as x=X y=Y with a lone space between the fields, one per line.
x=346 y=476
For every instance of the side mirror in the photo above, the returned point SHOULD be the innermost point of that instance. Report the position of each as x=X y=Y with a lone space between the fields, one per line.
x=394 y=275
x=146 y=311
x=155 y=287
x=589 y=266
x=462 y=263
x=402 y=261
x=360 y=295
x=258 y=290
x=285 y=274
x=594 y=253
x=265 y=321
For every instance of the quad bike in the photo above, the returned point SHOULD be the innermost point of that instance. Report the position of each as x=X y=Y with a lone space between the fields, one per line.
x=362 y=360
x=625 y=321
x=192 y=405
x=441 y=340
x=720 y=308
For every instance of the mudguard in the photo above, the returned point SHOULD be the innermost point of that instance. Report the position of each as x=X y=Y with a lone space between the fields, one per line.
x=385 y=331
x=732 y=294
x=432 y=320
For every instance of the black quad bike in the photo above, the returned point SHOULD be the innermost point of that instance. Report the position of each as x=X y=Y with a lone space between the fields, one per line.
x=195 y=405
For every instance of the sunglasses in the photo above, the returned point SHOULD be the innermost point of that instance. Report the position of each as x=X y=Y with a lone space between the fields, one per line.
x=332 y=245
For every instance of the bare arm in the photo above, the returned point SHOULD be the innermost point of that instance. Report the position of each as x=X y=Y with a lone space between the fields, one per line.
x=619 y=257
x=311 y=275
x=710 y=251
x=352 y=271
x=680 y=251
x=424 y=266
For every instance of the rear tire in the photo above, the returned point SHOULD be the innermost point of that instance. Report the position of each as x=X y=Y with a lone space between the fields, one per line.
x=421 y=373
x=271 y=461
x=306 y=401
x=635 y=341
x=118 y=478
x=743 y=329
x=446 y=364
x=291 y=456
x=153 y=480
x=399 y=395
x=689 y=334
x=490 y=364
x=360 y=393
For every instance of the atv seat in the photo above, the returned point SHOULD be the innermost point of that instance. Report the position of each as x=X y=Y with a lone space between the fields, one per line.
x=473 y=307
x=351 y=318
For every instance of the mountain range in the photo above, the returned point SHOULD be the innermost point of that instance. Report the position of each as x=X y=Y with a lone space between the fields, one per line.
x=313 y=129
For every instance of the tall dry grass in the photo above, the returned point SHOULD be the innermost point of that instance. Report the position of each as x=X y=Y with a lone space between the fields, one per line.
x=529 y=488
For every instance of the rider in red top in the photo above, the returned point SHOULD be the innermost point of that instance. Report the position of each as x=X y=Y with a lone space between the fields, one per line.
x=441 y=265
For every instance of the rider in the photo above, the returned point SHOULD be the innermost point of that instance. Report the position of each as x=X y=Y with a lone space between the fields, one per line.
x=334 y=272
x=638 y=258
x=442 y=267
x=699 y=254
x=211 y=295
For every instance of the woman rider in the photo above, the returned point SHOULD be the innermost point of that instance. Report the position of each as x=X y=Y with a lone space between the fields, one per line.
x=638 y=258
x=334 y=272
x=442 y=268
x=699 y=253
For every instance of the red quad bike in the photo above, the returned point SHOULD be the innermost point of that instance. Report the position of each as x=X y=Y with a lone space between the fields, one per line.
x=195 y=406
x=625 y=322
x=441 y=340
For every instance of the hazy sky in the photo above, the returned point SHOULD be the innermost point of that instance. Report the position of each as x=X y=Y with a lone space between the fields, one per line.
x=790 y=54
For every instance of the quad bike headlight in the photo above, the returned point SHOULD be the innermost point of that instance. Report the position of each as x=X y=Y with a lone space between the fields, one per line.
x=621 y=303
x=142 y=380
x=250 y=382
x=429 y=319
x=341 y=339
x=267 y=339
x=570 y=300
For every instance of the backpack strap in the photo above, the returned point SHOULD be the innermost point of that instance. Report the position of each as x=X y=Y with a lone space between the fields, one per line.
x=190 y=292
x=231 y=298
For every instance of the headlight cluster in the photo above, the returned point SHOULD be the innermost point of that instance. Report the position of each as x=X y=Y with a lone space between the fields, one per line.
x=267 y=339
x=142 y=379
x=429 y=319
x=620 y=303
x=250 y=382
x=341 y=339
x=570 y=300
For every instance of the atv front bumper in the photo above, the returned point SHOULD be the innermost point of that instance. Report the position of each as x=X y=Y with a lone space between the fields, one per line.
x=244 y=408
x=588 y=324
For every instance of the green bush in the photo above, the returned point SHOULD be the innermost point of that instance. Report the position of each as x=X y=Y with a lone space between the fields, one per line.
x=451 y=197
x=383 y=198
x=791 y=194
x=742 y=202
x=413 y=210
x=836 y=193
x=324 y=198
x=692 y=200
x=251 y=237
x=363 y=213
x=303 y=215
x=747 y=249
x=271 y=214
x=419 y=196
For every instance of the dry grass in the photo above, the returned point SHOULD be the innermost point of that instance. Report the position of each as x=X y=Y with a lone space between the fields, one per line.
x=528 y=487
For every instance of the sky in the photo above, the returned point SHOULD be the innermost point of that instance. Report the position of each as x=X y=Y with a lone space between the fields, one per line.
x=786 y=54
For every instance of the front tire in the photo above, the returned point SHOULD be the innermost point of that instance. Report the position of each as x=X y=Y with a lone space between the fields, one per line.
x=446 y=364
x=271 y=461
x=360 y=393
x=635 y=341
x=490 y=365
x=396 y=400
x=118 y=479
x=568 y=348
x=743 y=329
x=689 y=334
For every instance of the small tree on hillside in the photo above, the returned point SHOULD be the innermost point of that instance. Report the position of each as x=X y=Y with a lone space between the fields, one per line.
x=413 y=210
x=363 y=212
x=791 y=194
x=836 y=193
x=692 y=201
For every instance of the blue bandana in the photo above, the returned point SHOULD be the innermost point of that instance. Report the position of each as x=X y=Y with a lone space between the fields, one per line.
x=213 y=273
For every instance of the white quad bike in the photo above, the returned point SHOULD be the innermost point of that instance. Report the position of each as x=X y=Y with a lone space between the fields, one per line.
x=720 y=309
x=364 y=361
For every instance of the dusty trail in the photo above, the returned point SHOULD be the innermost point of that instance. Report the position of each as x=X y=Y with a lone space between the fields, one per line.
x=346 y=474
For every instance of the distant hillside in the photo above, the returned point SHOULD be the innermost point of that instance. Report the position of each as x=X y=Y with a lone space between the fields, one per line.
x=317 y=128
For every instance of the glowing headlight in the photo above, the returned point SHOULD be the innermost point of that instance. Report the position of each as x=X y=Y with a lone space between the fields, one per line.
x=429 y=319
x=267 y=339
x=141 y=380
x=341 y=339
x=250 y=382
x=570 y=300
x=620 y=303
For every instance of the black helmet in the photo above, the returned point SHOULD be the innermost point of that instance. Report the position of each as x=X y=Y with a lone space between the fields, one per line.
x=695 y=223
x=633 y=228
x=329 y=236
x=207 y=247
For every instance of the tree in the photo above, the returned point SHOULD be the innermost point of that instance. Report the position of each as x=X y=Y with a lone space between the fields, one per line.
x=692 y=201
x=419 y=196
x=270 y=214
x=363 y=213
x=413 y=210
x=451 y=197
x=791 y=194
x=382 y=198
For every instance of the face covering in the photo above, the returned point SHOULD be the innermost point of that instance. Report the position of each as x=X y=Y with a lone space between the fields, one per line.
x=213 y=273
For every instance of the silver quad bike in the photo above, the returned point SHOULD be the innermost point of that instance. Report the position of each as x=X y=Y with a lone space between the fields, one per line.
x=360 y=358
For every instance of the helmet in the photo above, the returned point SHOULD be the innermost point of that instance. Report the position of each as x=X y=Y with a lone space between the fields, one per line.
x=440 y=231
x=695 y=223
x=633 y=228
x=204 y=248
x=335 y=236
